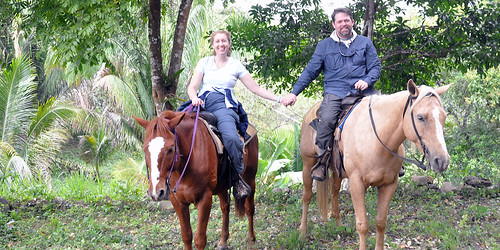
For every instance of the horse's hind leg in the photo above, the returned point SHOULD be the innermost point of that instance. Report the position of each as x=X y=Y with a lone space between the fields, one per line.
x=306 y=193
x=385 y=194
x=250 y=212
x=335 y=211
x=224 y=207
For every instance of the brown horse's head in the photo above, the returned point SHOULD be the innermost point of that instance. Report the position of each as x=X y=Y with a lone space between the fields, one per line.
x=424 y=122
x=160 y=151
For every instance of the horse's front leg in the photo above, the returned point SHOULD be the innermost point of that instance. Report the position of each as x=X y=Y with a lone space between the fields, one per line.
x=358 y=192
x=182 y=211
x=385 y=194
x=224 y=207
x=307 y=193
x=203 y=206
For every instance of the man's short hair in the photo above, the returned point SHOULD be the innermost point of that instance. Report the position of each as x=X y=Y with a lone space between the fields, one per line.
x=342 y=10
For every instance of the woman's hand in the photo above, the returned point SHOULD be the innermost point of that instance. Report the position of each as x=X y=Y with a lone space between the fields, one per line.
x=196 y=101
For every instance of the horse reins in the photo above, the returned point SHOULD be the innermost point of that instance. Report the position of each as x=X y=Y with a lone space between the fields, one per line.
x=409 y=102
x=189 y=156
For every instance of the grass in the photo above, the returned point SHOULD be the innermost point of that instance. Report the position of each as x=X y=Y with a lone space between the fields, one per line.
x=83 y=213
x=418 y=218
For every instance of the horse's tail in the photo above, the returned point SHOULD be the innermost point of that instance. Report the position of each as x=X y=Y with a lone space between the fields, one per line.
x=239 y=207
x=322 y=194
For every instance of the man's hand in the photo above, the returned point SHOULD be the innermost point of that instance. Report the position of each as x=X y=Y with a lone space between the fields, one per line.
x=361 y=85
x=289 y=99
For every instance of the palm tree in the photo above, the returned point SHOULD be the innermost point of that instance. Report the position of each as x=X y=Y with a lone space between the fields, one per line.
x=30 y=133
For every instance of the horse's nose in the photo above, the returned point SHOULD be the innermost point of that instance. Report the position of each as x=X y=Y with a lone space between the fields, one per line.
x=163 y=194
x=152 y=196
x=440 y=163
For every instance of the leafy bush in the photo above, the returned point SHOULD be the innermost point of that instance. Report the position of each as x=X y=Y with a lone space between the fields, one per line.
x=473 y=126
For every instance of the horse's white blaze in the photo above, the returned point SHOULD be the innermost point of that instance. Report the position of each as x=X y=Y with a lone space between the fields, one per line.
x=439 y=129
x=154 y=148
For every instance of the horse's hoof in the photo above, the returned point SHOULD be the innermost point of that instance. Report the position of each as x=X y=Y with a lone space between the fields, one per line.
x=221 y=248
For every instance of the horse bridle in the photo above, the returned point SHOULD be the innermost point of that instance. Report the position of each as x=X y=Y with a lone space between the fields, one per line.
x=408 y=104
x=176 y=155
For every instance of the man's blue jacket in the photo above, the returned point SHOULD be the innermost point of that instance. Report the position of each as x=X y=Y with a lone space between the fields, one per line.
x=342 y=66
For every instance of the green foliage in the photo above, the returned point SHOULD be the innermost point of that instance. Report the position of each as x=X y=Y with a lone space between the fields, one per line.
x=17 y=94
x=79 y=31
x=129 y=169
x=80 y=187
x=472 y=127
x=453 y=34
x=30 y=134
x=445 y=34
x=282 y=49
x=279 y=153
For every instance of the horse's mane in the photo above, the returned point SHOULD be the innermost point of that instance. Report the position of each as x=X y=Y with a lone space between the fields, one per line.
x=159 y=125
x=426 y=91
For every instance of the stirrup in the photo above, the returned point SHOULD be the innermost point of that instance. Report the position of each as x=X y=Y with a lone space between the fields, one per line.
x=323 y=162
x=323 y=169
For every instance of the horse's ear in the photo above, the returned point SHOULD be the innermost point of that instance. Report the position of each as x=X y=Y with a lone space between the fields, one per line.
x=412 y=88
x=176 y=120
x=144 y=123
x=441 y=90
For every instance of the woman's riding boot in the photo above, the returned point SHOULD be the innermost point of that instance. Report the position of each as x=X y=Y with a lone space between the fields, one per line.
x=241 y=189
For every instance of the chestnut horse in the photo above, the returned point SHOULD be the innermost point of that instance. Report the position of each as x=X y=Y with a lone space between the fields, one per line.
x=367 y=162
x=187 y=172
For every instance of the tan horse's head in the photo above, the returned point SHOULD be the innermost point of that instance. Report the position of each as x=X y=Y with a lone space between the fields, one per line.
x=424 y=123
x=160 y=151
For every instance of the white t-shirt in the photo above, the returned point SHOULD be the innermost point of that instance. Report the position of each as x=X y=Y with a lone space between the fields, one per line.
x=220 y=79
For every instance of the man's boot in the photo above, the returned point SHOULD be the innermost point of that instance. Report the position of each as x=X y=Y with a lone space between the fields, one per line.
x=241 y=189
x=320 y=169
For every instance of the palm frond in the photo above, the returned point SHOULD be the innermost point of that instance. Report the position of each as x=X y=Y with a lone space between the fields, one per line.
x=124 y=93
x=50 y=112
x=17 y=95
x=6 y=153
x=44 y=149
x=128 y=168
x=20 y=167
x=54 y=78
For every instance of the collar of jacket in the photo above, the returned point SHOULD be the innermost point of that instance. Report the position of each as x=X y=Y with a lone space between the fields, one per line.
x=347 y=42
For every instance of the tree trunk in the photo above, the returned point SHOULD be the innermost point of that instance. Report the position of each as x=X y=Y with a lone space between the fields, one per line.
x=369 y=19
x=165 y=90
x=177 y=50
x=154 y=35
x=16 y=30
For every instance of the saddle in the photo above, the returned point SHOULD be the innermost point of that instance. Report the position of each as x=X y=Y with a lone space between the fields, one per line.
x=347 y=105
x=210 y=121
x=224 y=169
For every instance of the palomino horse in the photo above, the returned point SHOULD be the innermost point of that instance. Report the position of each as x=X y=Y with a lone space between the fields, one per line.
x=366 y=161
x=186 y=171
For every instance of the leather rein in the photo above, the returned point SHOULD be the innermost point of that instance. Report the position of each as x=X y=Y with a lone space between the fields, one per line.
x=408 y=104
x=176 y=155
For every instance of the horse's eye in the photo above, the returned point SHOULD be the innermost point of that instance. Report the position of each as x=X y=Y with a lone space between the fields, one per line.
x=170 y=150
x=420 y=118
